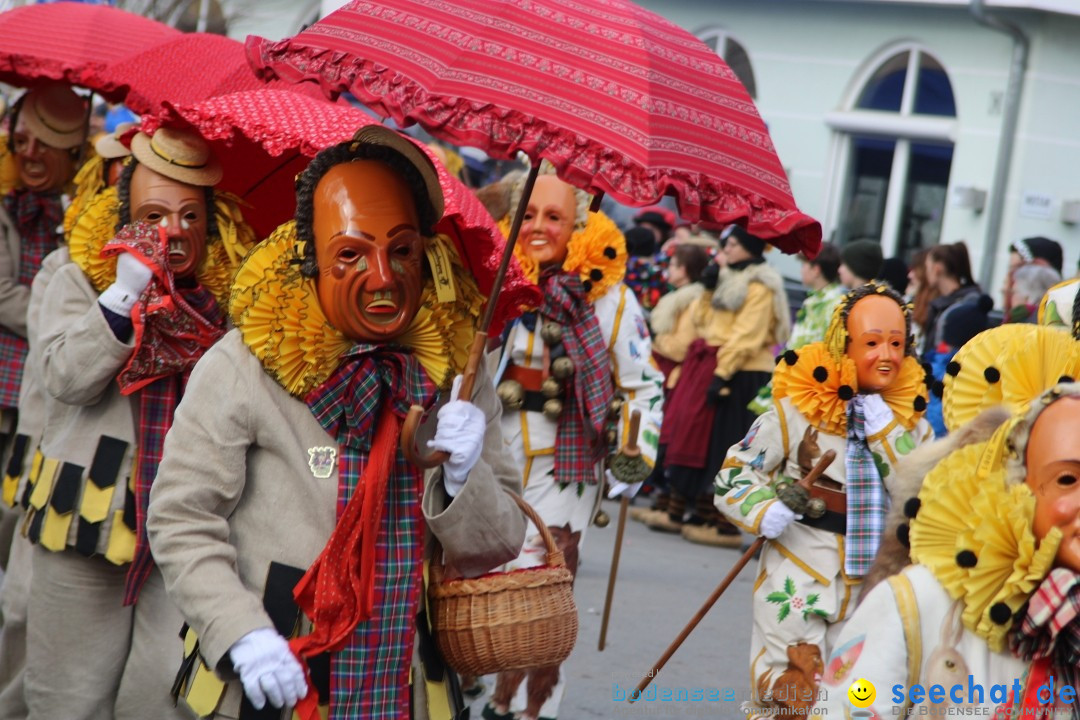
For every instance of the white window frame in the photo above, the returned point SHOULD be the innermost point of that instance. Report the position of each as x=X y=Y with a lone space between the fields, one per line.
x=722 y=36
x=903 y=127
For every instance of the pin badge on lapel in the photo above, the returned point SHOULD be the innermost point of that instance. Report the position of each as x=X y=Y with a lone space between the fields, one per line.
x=321 y=461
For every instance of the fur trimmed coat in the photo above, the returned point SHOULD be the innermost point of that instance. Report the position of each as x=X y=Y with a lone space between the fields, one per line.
x=749 y=317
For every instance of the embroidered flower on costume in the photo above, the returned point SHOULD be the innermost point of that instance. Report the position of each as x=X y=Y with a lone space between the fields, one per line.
x=789 y=601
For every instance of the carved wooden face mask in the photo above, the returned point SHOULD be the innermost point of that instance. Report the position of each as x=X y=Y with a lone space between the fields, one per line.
x=1053 y=474
x=42 y=168
x=180 y=209
x=549 y=221
x=876 y=339
x=369 y=249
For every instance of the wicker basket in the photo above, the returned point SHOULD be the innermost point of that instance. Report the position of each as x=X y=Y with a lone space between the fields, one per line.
x=505 y=621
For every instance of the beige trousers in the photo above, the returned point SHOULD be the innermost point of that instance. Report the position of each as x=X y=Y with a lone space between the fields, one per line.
x=88 y=656
x=14 y=598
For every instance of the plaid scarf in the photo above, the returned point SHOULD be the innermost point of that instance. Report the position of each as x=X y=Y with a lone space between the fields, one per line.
x=867 y=501
x=1050 y=628
x=363 y=590
x=37 y=217
x=174 y=327
x=579 y=440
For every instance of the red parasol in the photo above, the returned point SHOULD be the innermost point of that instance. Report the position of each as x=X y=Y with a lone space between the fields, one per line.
x=265 y=137
x=185 y=70
x=618 y=99
x=71 y=42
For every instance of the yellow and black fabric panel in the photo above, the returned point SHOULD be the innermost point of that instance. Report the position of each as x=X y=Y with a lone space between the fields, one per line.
x=14 y=471
x=61 y=508
x=31 y=478
x=98 y=493
x=39 y=498
x=201 y=689
x=121 y=547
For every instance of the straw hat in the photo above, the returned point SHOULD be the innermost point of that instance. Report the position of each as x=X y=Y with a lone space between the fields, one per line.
x=178 y=154
x=55 y=115
x=109 y=146
x=380 y=135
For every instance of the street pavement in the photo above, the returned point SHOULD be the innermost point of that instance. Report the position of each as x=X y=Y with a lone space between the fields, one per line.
x=662 y=582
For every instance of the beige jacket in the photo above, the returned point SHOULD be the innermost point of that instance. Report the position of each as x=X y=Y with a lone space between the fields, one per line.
x=91 y=430
x=14 y=296
x=32 y=398
x=749 y=316
x=235 y=492
x=673 y=327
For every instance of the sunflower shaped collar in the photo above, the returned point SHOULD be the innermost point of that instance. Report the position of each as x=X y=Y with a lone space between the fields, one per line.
x=95 y=227
x=819 y=388
x=596 y=253
x=279 y=317
x=972 y=529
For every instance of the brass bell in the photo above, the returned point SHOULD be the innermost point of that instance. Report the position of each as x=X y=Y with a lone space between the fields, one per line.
x=602 y=519
x=512 y=394
x=615 y=409
x=551 y=333
x=552 y=409
x=551 y=388
x=611 y=436
x=562 y=368
x=815 y=508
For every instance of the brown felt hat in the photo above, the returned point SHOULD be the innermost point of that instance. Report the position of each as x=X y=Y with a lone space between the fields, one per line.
x=382 y=135
x=55 y=115
x=178 y=154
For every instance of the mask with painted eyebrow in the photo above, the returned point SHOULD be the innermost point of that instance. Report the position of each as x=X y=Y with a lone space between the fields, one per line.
x=876 y=331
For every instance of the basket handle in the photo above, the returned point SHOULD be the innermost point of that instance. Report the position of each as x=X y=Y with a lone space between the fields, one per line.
x=554 y=554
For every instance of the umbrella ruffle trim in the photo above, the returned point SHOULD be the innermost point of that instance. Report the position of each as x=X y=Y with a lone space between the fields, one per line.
x=500 y=132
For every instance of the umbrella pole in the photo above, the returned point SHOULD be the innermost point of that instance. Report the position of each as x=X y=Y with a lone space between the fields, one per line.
x=476 y=352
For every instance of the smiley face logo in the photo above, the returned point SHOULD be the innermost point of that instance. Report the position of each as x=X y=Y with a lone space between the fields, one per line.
x=861 y=693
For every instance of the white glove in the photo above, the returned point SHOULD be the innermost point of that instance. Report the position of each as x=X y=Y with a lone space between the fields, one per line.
x=460 y=432
x=132 y=277
x=776 y=519
x=618 y=487
x=268 y=669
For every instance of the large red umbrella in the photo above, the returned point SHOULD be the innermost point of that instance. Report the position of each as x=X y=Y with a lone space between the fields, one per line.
x=71 y=42
x=265 y=137
x=185 y=70
x=618 y=99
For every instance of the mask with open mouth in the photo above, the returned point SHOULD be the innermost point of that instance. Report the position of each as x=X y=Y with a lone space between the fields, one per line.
x=180 y=209
x=549 y=221
x=369 y=248
x=878 y=336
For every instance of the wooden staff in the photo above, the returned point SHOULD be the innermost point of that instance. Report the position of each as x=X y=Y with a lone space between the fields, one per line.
x=809 y=478
x=628 y=467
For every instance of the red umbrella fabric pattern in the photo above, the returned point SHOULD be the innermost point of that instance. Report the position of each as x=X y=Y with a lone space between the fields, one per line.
x=618 y=99
x=185 y=70
x=72 y=42
x=265 y=137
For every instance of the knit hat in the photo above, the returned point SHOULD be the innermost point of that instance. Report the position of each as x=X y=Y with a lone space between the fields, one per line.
x=753 y=244
x=863 y=258
x=1039 y=248
x=640 y=242
x=894 y=271
x=658 y=216
x=965 y=320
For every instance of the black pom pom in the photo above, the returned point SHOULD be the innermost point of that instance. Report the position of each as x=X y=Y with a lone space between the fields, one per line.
x=791 y=357
x=1066 y=379
x=953 y=368
x=992 y=375
x=903 y=535
x=587 y=285
x=966 y=559
x=920 y=403
x=1000 y=613
x=596 y=275
x=845 y=392
x=927 y=369
x=911 y=507
x=938 y=389
x=821 y=374
x=609 y=253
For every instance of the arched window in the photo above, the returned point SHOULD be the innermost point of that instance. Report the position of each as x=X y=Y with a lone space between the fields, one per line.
x=895 y=153
x=733 y=53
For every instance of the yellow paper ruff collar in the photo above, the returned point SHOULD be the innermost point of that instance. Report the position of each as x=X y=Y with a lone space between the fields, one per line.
x=819 y=388
x=278 y=313
x=96 y=226
x=596 y=253
x=973 y=531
